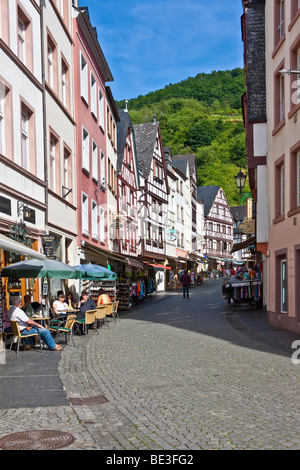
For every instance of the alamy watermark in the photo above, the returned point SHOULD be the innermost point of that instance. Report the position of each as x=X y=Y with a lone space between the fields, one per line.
x=296 y=354
x=2 y=351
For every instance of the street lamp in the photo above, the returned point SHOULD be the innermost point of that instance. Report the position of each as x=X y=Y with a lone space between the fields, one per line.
x=240 y=180
x=289 y=71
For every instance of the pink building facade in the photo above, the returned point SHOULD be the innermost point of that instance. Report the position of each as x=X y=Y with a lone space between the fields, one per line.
x=91 y=73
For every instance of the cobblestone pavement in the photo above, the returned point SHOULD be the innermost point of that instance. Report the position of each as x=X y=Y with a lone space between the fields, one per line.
x=178 y=374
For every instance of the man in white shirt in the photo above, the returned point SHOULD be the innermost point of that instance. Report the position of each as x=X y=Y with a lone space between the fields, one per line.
x=17 y=314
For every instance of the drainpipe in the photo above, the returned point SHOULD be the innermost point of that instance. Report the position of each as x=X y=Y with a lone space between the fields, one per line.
x=44 y=115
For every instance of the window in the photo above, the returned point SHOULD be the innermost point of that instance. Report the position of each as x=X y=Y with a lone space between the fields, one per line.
x=279 y=188
x=95 y=161
x=53 y=162
x=24 y=39
x=283 y=286
x=281 y=98
x=295 y=6
x=84 y=79
x=85 y=214
x=279 y=26
x=102 y=168
x=25 y=139
x=63 y=85
x=101 y=109
x=94 y=220
x=278 y=99
x=294 y=183
x=50 y=65
x=85 y=150
x=4 y=21
x=94 y=96
x=61 y=7
x=281 y=18
x=67 y=179
x=66 y=170
x=102 y=225
x=21 y=40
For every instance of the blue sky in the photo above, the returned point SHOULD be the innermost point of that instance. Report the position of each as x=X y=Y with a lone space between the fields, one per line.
x=150 y=44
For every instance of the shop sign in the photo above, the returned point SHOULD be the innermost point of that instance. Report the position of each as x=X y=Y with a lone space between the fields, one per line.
x=248 y=226
x=171 y=235
x=50 y=246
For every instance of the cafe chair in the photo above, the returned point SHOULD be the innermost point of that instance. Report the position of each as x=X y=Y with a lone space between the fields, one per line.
x=21 y=336
x=101 y=315
x=115 y=310
x=89 y=319
x=64 y=326
x=109 y=309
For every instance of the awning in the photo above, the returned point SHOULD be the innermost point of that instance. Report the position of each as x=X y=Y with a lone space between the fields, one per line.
x=225 y=260
x=11 y=245
x=245 y=244
x=158 y=266
x=134 y=263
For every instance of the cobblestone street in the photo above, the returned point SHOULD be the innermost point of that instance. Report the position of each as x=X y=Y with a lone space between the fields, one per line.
x=177 y=374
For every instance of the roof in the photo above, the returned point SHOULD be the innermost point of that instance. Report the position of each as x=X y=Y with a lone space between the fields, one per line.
x=122 y=130
x=112 y=102
x=190 y=157
x=84 y=22
x=145 y=140
x=181 y=165
x=207 y=194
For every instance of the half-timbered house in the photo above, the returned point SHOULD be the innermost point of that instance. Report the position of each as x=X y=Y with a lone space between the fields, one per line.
x=125 y=226
x=218 y=225
x=154 y=190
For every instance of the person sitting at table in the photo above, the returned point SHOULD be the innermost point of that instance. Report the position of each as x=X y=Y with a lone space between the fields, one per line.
x=6 y=323
x=28 y=326
x=103 y=298
x=28 y=306
x=59 y=306
x=70 y=300
x=86 y=303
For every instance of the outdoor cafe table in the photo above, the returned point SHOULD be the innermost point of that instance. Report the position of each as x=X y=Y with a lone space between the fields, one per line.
x=44 y=320
x=63 y=313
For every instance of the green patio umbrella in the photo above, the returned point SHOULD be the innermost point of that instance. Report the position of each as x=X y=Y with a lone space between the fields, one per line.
x=93 y=271
x=41 y=268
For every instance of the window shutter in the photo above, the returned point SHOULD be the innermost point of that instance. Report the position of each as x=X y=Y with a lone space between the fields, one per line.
x=84 y=78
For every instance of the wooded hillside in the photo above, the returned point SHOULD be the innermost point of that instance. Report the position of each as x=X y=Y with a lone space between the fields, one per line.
x=201 y=115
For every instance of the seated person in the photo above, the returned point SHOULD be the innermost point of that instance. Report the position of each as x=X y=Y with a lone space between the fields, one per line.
x=59 y=306
x=28 y=306
x=70 y=300
x=6 y=323
x=17 y=314
x=103 y=298
x=85 y=304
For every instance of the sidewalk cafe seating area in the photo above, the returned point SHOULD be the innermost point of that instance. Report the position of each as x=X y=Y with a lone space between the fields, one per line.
x=64 y=323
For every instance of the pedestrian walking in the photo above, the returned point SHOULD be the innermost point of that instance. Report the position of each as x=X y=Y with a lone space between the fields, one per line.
x=185 y=281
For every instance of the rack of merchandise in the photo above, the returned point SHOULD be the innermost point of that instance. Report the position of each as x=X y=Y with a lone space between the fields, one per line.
x=244 y=292
x=109 y=288
x=123 y=295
